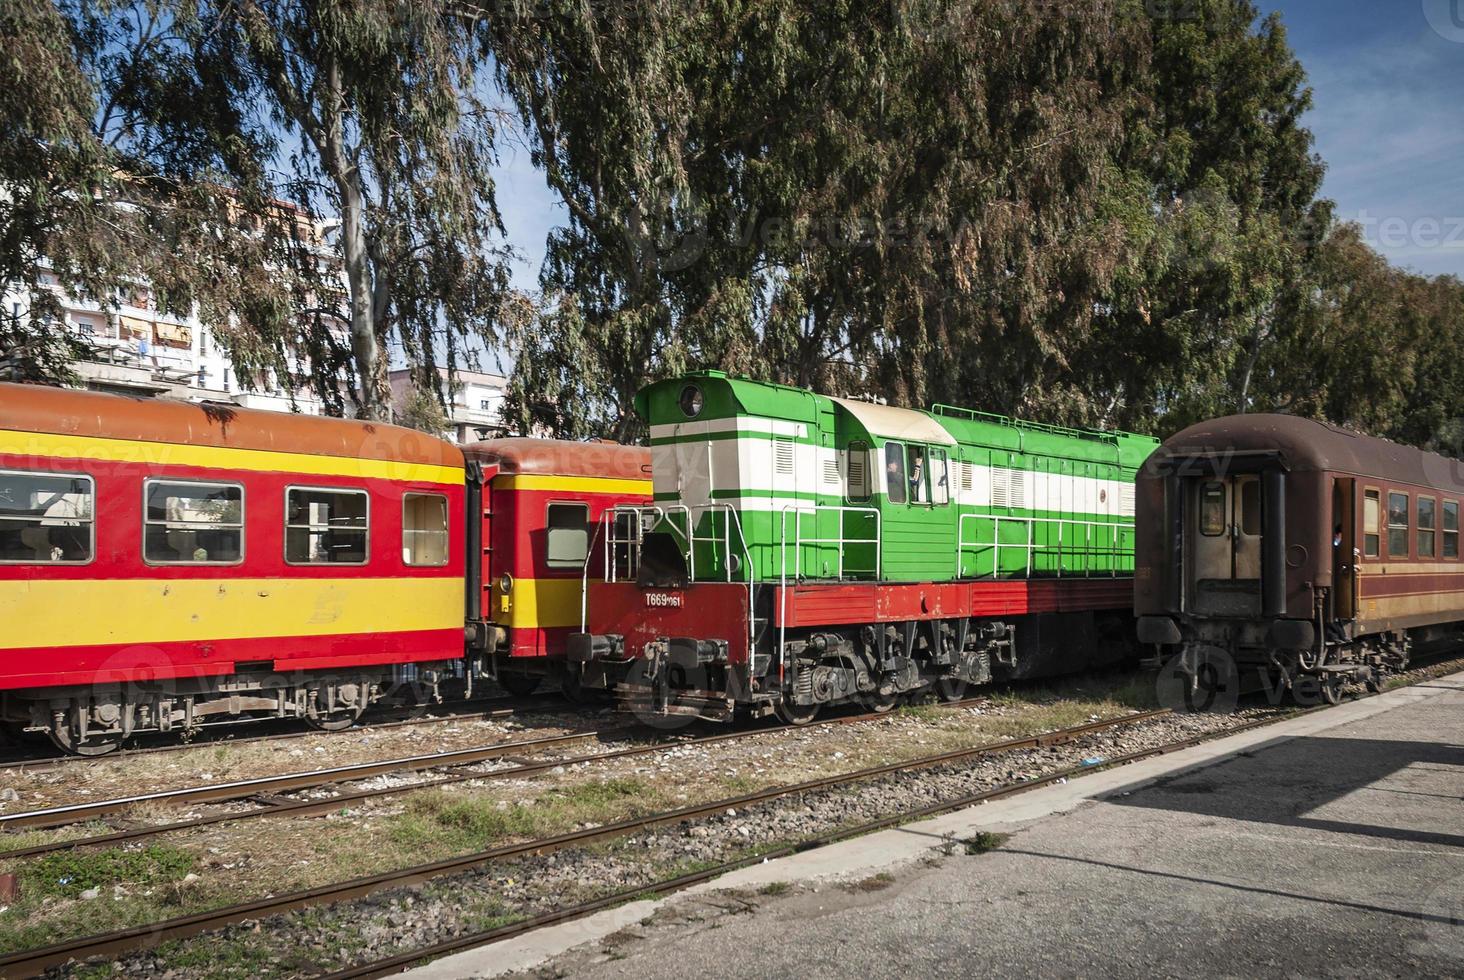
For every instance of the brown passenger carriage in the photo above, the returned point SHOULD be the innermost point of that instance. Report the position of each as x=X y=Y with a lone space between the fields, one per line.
x=1299 y=548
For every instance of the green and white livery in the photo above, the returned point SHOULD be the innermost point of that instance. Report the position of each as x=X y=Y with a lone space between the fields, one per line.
x=779 y=483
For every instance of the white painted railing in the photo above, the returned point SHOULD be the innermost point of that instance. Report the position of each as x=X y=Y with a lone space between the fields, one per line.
x=1031 y=547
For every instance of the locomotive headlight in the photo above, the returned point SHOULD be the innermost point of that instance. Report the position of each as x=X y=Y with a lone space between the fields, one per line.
x=691 y=401
x=505 y=583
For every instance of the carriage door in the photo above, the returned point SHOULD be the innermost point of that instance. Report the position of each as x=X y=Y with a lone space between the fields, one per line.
x=1344 y=566
x=1226 y=563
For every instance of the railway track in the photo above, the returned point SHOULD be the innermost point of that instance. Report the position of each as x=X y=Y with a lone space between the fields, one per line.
x=266 y=788
x=28 y=963
x=486 y=709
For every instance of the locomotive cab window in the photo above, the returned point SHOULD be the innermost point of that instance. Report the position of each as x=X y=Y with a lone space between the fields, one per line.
x=940 y=487
x=1212 y=510
x=45 y=518
x=193 y=523
x=895 y=485
x=326 y=527
x=1371 y=512
x=568 y=535
x=424 y=529
x=919 y=491
x=1426 y=520
x=1397 y=525
x=1451 y=529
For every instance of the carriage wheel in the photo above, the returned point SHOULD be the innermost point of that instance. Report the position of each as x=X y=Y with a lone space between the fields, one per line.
x=520 y=685
x=92 y=745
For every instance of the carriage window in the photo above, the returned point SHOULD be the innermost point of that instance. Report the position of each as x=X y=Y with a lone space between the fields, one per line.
x=1250 y=507
x=568 y=535
x=193 y=523
x=1371 y=508
x=1212 y=510
x=1397 y=525
x=895 y=472
x=45 y=518
x=857 y=468
x=1451 y=529
x=325 y=527
x=1425 y=527
x=919 y=493
x=940 y=487
x=424 y=529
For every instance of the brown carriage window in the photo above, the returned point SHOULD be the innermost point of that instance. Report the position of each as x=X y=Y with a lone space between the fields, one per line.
x=857 y=472
x=568 y=535
x=424 y=529
x=1212 y=510
x=1397 y=525
x=326 y=527
x=45 y=518
x=1451 y=529
x=1250 y=507
x=896 y=487
x=193 y=523
x=940 y=487
x=1425 y=527
x=1371 y=512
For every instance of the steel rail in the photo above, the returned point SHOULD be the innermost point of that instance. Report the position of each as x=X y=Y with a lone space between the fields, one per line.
x=401 y=961
x=306 y=808
x=32 y=962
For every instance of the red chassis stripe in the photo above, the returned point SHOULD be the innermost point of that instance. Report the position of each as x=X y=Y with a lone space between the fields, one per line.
x=830 y=605
x=143 y=662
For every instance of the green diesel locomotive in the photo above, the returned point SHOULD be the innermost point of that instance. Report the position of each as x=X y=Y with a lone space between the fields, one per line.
x=804 y=550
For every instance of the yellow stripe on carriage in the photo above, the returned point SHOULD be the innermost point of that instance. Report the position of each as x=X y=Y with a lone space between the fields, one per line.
x=575 y=484
x=158 y=454
x=87 y=612
x=538 y=603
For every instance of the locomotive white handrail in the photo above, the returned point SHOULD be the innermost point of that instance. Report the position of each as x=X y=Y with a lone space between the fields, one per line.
x=1031 y=547
x=798 y=542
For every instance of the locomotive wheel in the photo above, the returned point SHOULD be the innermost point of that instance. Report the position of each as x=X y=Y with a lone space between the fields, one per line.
x=795 y=714
x=92 y=745
x=517 y=684
x=880 y=702
x=338 y=722
x=1333 y=689
x=950 y=688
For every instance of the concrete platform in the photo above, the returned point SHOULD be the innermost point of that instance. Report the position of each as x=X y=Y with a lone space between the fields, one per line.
x=1328 y=845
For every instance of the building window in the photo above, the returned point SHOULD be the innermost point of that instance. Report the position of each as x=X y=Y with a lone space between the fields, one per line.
x=940 y=487
x=193 y=523
x=1425 y=527
x=424 y=529
x=45 y=518
x=485 y=405
x=568 y=535
x=326 y=527
x=857 y=470
x=1212 y=510
x=1451 y=529
x=895 y=486
x=1370 y=513
x=1397 y=525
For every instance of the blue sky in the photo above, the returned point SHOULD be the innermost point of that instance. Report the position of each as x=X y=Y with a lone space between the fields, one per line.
x=1388 y=87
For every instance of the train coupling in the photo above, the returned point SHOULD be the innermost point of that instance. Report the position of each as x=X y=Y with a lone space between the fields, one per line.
x=583 y=647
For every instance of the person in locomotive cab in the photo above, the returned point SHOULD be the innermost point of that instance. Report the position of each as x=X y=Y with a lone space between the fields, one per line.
x=895 y=471
x=917 y=475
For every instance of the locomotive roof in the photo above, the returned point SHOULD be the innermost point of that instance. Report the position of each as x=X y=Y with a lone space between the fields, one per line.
x=67 y=411
x=1306 y=444
x=557 y=457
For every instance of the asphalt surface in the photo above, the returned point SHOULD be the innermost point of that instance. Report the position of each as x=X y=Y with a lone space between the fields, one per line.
x=1337 y=852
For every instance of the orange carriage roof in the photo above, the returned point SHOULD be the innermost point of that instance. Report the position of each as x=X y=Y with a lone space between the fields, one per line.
x=66 y=411
x=555 y=457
